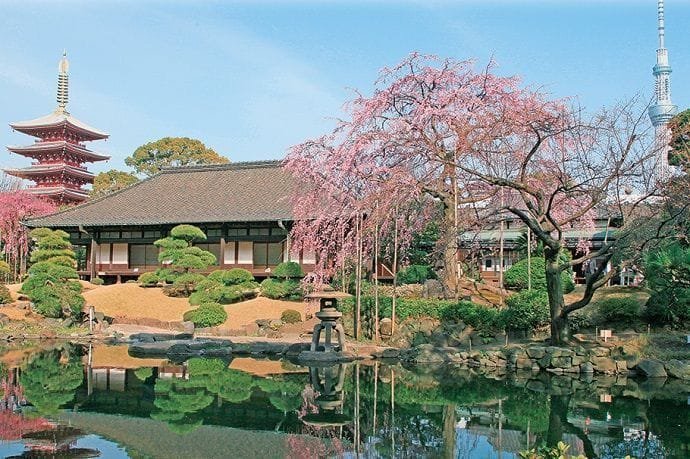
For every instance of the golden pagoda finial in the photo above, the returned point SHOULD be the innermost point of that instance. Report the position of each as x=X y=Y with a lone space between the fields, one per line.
x=63 y=84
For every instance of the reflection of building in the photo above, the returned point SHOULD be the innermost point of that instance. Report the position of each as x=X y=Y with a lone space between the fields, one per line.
x=59 y=153
x=243 y=208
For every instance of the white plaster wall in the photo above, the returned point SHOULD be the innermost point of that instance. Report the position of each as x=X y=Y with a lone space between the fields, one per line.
x=245 y=254
x=229 y=253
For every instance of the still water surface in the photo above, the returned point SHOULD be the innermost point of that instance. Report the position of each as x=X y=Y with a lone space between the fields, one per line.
x=81 y=401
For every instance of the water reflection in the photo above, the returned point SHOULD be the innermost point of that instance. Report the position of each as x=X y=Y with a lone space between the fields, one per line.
x=369 y=409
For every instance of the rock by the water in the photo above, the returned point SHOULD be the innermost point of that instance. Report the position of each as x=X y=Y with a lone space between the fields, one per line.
x=587 y=367
x=651 y=368
x=678 y=369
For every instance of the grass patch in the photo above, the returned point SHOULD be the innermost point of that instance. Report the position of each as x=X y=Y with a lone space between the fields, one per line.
x=667 y=346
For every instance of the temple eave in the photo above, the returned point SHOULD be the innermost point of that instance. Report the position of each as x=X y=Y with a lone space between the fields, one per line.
x=41 y=148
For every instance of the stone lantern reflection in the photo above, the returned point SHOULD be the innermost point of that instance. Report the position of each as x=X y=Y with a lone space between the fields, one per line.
x=328 y=381
x=328 y=315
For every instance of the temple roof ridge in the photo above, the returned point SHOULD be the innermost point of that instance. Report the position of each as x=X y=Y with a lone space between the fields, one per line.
x=223 y=166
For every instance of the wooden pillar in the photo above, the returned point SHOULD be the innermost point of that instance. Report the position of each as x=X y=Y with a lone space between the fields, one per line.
x=221 y=261
x=92 y=268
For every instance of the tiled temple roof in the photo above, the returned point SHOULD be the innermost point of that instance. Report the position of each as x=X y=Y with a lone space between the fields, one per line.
x=235 y=192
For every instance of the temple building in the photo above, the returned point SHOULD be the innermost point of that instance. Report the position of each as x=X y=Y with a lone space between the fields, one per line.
x=243 y=208
x=59 y=153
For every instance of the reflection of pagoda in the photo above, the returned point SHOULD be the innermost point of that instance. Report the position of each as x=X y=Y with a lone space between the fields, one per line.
x=59 y=152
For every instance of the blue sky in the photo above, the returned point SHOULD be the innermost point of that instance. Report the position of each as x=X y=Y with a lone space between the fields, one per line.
x=251 y=78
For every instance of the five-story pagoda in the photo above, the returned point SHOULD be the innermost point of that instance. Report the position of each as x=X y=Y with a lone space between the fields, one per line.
x=59 y=152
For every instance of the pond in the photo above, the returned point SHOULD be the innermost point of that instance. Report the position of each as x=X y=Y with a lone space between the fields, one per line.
x=91 y=401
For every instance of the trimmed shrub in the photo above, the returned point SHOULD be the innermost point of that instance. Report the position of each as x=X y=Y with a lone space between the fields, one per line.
x=207 y=315
x=625 y=309
x=148 y=280
x=234 y=276
x=5 y=296
x=51 y=284
x=288 y=270
x=58 y=300
x=97 y=281
x=208 y=291
x=281 y=290
x=515 y=278
x=290 y=316
x=187 y=283
x=415 y=274
x=527 y=310
x=668 y=307
x=167 y=275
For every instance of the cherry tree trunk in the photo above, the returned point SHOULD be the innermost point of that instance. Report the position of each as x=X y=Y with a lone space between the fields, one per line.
x=554 y=289
x=449 y=239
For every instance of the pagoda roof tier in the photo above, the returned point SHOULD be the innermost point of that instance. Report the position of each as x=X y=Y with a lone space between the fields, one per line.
x=39 y=148
x=50 y=169
x=59 y=193
x=59 y=119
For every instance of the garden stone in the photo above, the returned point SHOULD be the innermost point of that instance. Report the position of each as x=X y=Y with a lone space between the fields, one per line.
x=386 y=327
x=587 y=367
x=601 y=351
x=432 y=289
x=621 y=366
x=604 y=364
x=651 y=368
x=561 y=362
x=678 y=369
x=524 y=363
x=545 y=361
x=536 y=352
x=578 y=359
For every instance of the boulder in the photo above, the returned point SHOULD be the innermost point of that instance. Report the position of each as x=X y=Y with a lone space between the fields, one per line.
x=386 y=327
x=390 y=353
x=536 y=352
x=433 y=289
x=678 y=369
x=604 y=364
x=651 y=368
x=524 y=363
x=561 y=362
x=621 y=366
x=601 y=351
x=587 y=367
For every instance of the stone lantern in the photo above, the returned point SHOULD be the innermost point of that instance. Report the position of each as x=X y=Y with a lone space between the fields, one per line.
x=328 y=315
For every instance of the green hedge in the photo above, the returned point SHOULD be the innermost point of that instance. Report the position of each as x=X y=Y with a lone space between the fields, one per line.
x=478 y=316
x=415 y=274
x=288 y=270
x=281 y=289
x=625 y=309
x=290 y=316
x=207 y=315
x=234 y=276
x=148 y=279
x=515 y=278
x=527 y=310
